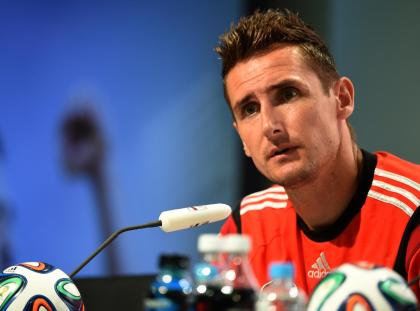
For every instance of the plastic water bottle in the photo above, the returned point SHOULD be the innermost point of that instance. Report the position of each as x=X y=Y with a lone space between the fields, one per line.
x=238 y=287
x=172 y=289
x=281 y=294
x=206 y=272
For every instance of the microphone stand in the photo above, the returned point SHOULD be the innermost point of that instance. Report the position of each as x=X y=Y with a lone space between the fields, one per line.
x=110 y=239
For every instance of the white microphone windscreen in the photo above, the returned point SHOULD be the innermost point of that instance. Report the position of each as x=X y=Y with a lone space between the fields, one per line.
x=195 y=216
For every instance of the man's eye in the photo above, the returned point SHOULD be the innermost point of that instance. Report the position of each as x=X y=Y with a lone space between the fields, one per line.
x=249 y=109
x=288 y=93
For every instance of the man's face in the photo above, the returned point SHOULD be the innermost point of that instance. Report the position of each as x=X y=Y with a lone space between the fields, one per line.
x=288 y=124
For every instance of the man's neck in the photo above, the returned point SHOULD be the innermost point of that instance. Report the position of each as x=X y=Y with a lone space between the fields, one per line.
x=322 y=201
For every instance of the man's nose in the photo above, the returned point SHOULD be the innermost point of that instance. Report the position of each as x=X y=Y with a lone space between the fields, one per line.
x=271 y=122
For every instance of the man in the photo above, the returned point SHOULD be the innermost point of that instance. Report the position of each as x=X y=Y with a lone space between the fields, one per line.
x=331 y=201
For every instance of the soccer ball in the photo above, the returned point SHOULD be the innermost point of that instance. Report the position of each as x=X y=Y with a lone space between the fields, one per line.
x=37 y=286
x=363 y=287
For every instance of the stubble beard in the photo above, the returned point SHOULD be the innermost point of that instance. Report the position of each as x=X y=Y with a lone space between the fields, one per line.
x=293 y=177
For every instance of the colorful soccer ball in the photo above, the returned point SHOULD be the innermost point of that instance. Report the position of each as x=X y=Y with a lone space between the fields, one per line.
x=362 y=287
x=37 y=286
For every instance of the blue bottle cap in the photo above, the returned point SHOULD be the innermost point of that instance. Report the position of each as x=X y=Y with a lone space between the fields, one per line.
x=281 y=270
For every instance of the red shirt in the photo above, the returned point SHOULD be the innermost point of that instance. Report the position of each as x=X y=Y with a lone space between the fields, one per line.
x=378 y=226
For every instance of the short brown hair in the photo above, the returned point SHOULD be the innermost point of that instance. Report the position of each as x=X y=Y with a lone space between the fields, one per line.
x=264 y=31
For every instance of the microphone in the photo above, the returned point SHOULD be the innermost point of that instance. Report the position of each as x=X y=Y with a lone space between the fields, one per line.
x=172 y=220
x=194 y=216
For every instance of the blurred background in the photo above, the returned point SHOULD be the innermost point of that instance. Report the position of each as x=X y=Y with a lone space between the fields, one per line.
x=112 y=112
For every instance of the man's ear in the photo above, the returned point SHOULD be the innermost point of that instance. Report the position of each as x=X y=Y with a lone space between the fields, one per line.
x=344 y=92
x=246 y=150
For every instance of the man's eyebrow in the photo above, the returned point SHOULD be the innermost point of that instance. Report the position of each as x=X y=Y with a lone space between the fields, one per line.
x=242 y=101
x=282 y=84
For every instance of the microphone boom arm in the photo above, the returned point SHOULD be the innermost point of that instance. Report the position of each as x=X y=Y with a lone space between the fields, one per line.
x=110 y=239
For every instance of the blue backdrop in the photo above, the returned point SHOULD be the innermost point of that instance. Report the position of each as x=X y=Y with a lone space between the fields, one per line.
x=149 y=72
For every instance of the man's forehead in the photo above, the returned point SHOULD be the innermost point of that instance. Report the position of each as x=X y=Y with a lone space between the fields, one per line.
x=285 y=60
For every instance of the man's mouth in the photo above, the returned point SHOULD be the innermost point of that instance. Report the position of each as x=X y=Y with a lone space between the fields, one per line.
x=280 y=151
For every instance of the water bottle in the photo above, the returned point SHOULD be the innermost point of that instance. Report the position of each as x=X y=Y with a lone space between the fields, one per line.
x=281 y=294
x=206 y=272
x=237 y=288
x=172 y=288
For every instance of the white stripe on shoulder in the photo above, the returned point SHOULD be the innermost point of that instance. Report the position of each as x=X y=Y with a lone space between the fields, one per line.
x=263 y=205
x=398 y=190
x=387 y=199
x=265 y=196
x=274 y=189
x=397 y=177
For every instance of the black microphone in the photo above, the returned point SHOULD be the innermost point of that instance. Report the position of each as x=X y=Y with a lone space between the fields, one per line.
x=177 y=219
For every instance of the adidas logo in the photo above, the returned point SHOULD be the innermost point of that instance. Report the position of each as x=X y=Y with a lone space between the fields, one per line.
x=320 y=268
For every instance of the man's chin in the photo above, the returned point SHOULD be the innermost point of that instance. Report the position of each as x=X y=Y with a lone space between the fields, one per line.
x=291 y=178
